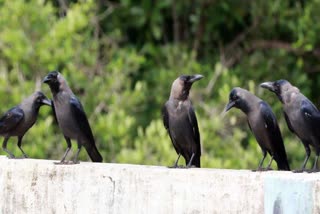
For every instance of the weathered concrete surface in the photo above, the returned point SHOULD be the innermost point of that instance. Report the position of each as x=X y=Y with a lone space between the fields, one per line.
x=39 y=186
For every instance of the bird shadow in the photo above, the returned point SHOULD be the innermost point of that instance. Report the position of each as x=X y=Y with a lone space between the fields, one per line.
x=306 y=170
x=180 y=167
x=262 y=169
x=16 y=158
x=66 y=163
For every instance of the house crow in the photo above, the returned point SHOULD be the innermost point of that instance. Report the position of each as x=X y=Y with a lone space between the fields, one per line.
x=180 y=121
x=19 y=119
x=71 y=117
x=301 y=115
x=263 y=125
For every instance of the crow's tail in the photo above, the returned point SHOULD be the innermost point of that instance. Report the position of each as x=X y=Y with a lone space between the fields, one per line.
x=282 y=163
x=93 y=153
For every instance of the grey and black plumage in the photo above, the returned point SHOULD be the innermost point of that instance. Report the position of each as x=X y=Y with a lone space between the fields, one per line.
x=71 y=117
x=301 y=115
x=263 y=125
x=180 y=121
x=19 y=119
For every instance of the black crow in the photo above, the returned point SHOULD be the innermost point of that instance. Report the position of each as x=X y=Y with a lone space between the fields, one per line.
x=301 y=116
x=180 y=121
x=71 y=117
x=263 y=125
x=19 y=119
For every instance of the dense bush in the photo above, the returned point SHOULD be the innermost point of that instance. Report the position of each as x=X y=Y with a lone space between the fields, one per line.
x=120 y=58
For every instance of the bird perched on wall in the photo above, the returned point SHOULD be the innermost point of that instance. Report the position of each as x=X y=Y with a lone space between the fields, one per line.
x=180 y=121
x=71 y=117
x=19 y=119
x=301 y=115
x=263 y=125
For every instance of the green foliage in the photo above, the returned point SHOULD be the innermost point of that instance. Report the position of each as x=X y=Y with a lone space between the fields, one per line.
x=121 y=57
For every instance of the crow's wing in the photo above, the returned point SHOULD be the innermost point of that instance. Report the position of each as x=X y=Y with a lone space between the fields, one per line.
x=271 y=124
x=312 y=115
x=81 y=118
x=165 y=118
x=11 y=119
x=194 y=124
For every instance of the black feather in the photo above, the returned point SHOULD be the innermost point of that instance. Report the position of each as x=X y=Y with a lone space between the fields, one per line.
x=11 y=119
x=81 y=118
x=277 y=146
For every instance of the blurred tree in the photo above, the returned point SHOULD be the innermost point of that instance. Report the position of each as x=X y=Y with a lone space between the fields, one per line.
x=121 y=56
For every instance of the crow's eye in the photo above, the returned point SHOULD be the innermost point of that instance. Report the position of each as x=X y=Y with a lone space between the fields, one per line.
x=233 y=95
x=40 y=98
x=184 y=78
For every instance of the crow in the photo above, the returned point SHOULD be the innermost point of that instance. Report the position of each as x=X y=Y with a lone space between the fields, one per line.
x=180 y=121
x=301 y=117
x=263 y=125
x=71 y=117
x=19 y=119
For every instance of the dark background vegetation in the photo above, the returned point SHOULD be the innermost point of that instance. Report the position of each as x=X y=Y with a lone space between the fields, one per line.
x=120 y=58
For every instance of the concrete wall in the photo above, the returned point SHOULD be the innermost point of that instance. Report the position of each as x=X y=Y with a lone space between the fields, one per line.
x=40 y=186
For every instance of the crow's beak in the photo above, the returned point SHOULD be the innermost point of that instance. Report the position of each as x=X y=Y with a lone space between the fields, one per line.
x=46 y=79
x=46 y=102
x=268 y=85
x=229 y=106
x=195 y=78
